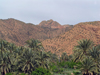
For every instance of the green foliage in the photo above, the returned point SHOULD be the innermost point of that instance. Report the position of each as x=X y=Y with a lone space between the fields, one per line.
x=95 y=54
x=55 y=68
x=22 y=74
x=15 y=74
x=42 y=59
x=33 y=60
x=41 y=71
x=68 y=74
x=53 y=57
x=76 y=72
x=34 y=44
x=87 y=65
x=81 y=50
x=62 y=64
x=68 y=64
x=26 y=60
x=9 y=74
x=64 y=57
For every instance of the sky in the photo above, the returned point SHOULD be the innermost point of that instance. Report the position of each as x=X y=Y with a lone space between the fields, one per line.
x=63 y=11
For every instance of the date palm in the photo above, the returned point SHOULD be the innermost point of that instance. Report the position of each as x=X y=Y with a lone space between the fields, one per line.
x=6 y=62
x=53 y=57
x=42 y=59
x=87 y=65
x=64 y=57
x=35 y=44
x=19 y=50
x=26 y=61
x=95 y=54
x=3 y=46
x=11 y=47
x=82 y=48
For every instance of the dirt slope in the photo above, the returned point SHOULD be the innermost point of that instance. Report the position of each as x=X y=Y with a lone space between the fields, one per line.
x=67 y=41
x=18 y=32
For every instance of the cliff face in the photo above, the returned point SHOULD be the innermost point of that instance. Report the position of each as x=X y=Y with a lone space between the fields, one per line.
x=18 y=32
x=67 y=41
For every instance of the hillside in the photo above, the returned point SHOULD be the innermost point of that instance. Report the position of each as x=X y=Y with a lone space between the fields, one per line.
x=67 y=41
x=53 y=28
x=18 y=32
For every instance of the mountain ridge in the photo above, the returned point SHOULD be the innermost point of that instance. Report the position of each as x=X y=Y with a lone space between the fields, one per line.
x=67 y=41
x=55 y=39
x=18 y=32
x=52 y=24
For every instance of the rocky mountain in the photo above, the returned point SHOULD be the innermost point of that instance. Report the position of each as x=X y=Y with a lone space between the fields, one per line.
x=55 y=37
x=51 y=24
x=53 y=28
x=18 y=32
x=67 y=41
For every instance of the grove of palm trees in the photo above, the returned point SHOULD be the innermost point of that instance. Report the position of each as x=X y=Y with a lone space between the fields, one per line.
x=32 y=59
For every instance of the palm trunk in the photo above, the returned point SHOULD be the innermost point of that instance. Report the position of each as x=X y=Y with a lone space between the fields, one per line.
x=87 y=72
x=97 y=66
x=2 y=73
x=83 y=73
x=93 y=73
x=85 y=53
x=5 y=72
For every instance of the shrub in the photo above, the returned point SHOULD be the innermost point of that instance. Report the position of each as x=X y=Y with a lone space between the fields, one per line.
x=55 y=68
x=22 y=74
x=41 y=71
x=9 y=74
x=15 y=74
x=69 y=64
x=62 y=64
x=76 y=73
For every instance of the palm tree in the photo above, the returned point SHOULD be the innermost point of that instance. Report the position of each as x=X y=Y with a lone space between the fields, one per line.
x=26 y=61
x=3 y=46
x=87 y=65
x=64 y=57
x=82 y=48
x=95 y=54
x=35 y=44
x=11 y=47
x=6 y=62
x=53 y=57
x=70 y=57
x=42 y=59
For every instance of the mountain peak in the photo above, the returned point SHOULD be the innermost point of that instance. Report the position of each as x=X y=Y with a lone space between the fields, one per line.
x=50 y=20
x=50 y=24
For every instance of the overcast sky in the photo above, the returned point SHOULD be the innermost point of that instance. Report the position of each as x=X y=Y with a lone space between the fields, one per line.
x=62 y=11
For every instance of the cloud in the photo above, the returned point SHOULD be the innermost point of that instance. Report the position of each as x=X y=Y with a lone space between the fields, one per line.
x=63 y=11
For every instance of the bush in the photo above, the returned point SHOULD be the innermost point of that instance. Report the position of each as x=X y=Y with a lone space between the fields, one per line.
x=9 y=74
x=22 y=74
x=41 y=71
x=76 y=73
x=69 y=64
x=55 y=68
x=15 y=74
x=62 y=64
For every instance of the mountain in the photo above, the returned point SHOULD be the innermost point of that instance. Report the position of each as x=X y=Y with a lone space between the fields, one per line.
x=53 y=28
x=51 y=24
x=18 y=32
x=67 y=41
x=55 y=37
